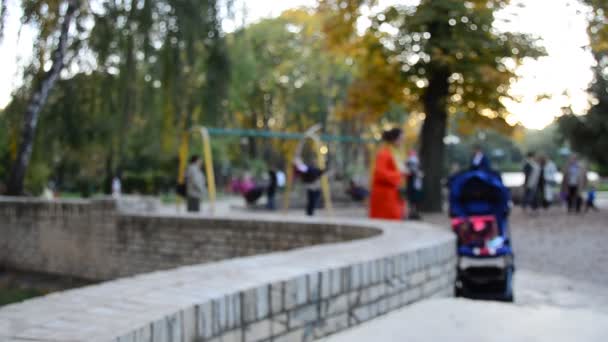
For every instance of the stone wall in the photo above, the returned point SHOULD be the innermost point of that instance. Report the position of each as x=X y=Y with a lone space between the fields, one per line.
x=299 y=294
x=61 y=237
x=310 y=306
x=91 y=240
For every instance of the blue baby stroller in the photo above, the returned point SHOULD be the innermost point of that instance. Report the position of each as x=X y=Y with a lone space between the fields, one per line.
x=479 y=208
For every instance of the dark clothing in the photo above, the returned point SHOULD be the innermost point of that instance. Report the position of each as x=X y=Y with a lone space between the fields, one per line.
x=530 y=198
x=590 y=203
x=527 y=172
x=272 y=183
x=312 y=201
x=193 y=204
x=574 y=200
x=357 y=193
x=482 y=164
x=271 y=190
x=312 y=174
x=254 y=194
x=540 y=193
x=414 y=189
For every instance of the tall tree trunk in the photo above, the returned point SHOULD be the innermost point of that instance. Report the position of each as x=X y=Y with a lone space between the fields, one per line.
x=433 y=131
x=37 y=101
x=3 y=10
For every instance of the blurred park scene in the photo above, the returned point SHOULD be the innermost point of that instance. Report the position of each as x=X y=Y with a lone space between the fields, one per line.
x=219 y=106
x=133 y=77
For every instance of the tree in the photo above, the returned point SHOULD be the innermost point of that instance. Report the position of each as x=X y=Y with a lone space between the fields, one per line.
x=37 y=101
x=588 y=134
x=283 y=79
x=452 y=60
x=139 y=73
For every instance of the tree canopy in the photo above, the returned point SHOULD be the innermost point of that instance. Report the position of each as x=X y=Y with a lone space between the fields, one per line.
x=588 y=134
x=450 y=58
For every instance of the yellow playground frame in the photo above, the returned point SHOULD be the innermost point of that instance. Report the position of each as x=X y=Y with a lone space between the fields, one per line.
x=312 y=135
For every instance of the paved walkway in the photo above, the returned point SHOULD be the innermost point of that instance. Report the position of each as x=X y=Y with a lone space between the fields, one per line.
x=463 y=320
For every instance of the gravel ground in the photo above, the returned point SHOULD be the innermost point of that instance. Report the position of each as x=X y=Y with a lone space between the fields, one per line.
x=557 y=243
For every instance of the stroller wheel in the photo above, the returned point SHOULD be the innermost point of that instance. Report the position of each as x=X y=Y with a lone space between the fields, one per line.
x=509 y=297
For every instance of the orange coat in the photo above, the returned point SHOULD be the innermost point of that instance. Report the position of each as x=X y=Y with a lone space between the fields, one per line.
x=385 y=200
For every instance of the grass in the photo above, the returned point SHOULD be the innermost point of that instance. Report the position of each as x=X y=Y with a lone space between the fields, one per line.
x=13 y=295
x=603 y=186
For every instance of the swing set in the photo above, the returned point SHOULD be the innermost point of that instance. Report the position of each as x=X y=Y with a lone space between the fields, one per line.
x=319 y=143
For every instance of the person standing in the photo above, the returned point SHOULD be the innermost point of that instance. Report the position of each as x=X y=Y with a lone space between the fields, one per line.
x=479 y=161
x=414 y=185
x=195 y=184
x=548 y=181
x=386 y=200
x=590 y=202
x=532 y=173
x=116 y=187
x=271 y=190
x=311 y=177
x=575 y=180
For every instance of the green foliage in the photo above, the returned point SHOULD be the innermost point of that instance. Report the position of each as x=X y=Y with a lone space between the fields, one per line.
x=14 y=295
x=589 y=134
x=548 y=142
x=460 y=37
x=155 y=64
x=4 y=144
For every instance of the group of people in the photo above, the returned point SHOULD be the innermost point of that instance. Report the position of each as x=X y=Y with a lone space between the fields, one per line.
x=252 y=191
x=245 y=185
x=541 y=181
x=397 y=180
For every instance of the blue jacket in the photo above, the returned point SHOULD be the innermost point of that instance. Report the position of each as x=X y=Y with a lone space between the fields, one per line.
x=482 y=164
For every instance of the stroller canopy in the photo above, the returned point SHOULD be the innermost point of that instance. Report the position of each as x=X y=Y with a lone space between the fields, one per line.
x=479 y=192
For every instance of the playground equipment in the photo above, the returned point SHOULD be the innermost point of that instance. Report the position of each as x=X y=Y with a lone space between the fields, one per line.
x=320 y=151
x=312 y=134
x=207 y=159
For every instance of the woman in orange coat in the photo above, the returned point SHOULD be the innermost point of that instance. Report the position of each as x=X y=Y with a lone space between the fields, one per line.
x=386 y=201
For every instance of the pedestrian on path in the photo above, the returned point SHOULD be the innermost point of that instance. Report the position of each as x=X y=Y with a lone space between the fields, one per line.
x=195 y=184
x=549 y=181
x=386 y=200
x=532 y=176
x=271 y=189
x=479 y=160
x=575 y=180
x=414 y=185
x=590 y=202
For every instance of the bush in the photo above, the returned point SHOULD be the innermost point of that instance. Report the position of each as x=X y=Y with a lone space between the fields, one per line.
x=147 y=183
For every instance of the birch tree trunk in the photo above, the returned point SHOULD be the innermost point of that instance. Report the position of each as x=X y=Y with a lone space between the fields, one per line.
x=37 y=101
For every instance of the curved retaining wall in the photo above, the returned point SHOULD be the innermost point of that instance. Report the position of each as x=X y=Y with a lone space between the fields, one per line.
x=296 y=295
x=92 y=240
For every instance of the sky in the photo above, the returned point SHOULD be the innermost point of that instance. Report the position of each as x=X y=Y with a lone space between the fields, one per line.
x=560 y=24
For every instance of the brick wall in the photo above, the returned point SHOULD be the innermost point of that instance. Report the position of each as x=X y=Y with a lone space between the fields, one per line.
x=91 y=240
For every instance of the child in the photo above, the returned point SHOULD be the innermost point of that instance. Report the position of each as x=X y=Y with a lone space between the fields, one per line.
x=311 y=177
x=590 y=204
